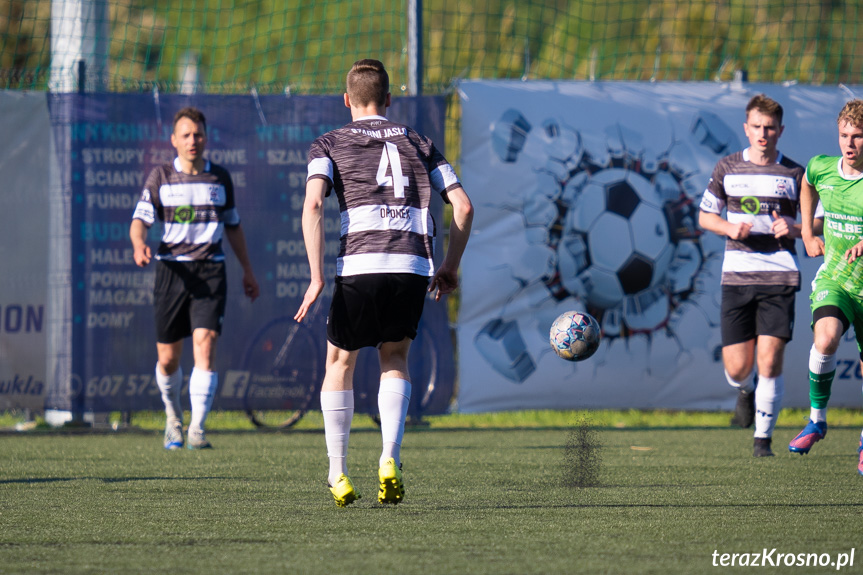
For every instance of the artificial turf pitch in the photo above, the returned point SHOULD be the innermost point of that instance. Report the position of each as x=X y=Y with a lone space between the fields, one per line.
x=478 y=501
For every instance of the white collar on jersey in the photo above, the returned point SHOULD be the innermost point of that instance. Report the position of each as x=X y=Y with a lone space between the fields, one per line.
x=374 y=117
x=746 y=156
x=841 y=170
x=179 y=169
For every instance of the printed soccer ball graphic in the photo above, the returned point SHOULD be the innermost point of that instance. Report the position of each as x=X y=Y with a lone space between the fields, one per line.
x=609 y=217
x=615 y=242
x=619 y=216
x=574 y=336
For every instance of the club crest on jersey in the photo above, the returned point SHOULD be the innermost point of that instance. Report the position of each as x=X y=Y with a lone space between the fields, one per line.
x=215 y=193
x=781 y=187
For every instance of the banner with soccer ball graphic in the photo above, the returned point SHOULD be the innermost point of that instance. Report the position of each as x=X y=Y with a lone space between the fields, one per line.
x=587 y=199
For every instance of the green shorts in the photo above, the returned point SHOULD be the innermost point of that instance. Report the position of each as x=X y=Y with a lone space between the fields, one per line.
x=826 y=292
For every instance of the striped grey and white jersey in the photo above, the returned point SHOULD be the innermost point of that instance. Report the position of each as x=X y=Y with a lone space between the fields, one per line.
x=751 y=193
x=193 y=208
x=383 y=174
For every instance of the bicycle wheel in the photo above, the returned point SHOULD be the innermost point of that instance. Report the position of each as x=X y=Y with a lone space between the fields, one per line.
x=424 y=370
x=285 y=363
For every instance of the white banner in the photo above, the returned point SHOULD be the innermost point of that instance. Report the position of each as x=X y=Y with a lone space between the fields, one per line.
x=543 y=162
x=24 y=162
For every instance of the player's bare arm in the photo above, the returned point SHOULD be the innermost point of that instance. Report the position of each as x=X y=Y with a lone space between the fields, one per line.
x=138 y=235
x=808 y=202
x=817 y=227
x=313 y=235
x=445 y=279
x=722 y=227
x=237 y=239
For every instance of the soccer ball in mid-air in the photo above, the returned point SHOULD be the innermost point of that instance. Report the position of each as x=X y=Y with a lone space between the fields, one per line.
x=574 y=335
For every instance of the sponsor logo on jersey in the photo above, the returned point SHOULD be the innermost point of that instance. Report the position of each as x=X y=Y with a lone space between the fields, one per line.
x=184 y=214
x=845 y=227
x=145 y=195
x=750 y=205
x=821 y=295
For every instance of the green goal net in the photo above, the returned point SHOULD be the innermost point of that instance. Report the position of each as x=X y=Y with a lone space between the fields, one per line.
x=232 y=46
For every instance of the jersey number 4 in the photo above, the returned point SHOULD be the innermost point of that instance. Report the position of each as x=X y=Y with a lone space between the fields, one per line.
x=390 y=158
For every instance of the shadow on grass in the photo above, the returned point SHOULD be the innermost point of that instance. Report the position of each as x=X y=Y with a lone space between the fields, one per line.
x=767 y=505
x=103 y=479
x=365 y=428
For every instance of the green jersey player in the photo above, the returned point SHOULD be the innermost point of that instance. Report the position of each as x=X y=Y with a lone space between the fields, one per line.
x=837 y=291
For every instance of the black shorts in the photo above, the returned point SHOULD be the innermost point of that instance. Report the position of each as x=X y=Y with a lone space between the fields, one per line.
x=750 y=311
x=371 y=309
x=188 y=295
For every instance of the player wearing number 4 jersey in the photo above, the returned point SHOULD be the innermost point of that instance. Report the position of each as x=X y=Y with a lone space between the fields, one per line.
x=837 y=290
x=384 y=175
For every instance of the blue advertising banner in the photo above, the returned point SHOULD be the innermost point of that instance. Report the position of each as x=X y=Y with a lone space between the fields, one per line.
x=110 y=142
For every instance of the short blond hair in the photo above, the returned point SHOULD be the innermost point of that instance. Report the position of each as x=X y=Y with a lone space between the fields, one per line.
x=368 y=83
x=852 y=113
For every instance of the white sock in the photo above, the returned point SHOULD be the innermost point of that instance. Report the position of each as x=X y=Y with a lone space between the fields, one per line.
x=768 y=402
x=746 y=386
x=170 y=386
x=338 y=410
x=394 y=397
x=202 y=390
x=817 y=415
x=819 y=363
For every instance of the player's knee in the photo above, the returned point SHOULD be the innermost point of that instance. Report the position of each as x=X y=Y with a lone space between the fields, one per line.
x=169 y=359
x=340 y=361
x=395 y=348
x=738 y=368
x=770 y=364
x=826 y=343
x=739 y=376
x=169 y=365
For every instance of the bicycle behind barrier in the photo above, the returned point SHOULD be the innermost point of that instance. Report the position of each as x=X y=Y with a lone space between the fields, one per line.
x=285 y=363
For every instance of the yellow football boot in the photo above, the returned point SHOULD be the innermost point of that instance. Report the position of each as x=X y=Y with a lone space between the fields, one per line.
x=392 y=489
x=343 y=491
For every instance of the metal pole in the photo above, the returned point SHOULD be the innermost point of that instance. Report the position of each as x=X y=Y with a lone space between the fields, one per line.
x=82 y=76
x=79 y=31
x=79 y=63
x=415 y=47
